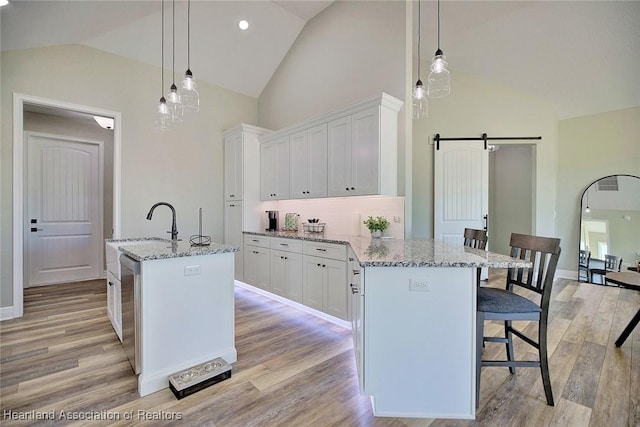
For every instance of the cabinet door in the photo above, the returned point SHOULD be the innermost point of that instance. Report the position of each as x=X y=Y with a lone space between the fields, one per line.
x=257 y=266
x=339 y=157
x=282 y=169
x=250 y=268
x=233 y=233
x=233 y=167
x=299 y=164
x=279 y=273
x=312 y=283
x=268 y=171
x=365 y=143
x=294 y=276
x=317 y=162
x=335 y=295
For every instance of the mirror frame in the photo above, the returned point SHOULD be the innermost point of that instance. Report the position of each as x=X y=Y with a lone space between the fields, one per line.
x=581 y=211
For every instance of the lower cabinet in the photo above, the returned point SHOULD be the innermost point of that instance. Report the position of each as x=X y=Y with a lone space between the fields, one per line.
x=308 y=272
x=324 y=285
x=356 y=313
x=257 y=266
x=114 y=304
x=286 y=274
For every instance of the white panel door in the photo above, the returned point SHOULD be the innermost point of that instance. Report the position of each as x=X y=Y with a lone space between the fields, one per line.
x=233 y=167
x=317 y=161
x=63 y=232
x=365 y=161
x=461 y=188
x=339 y=161
x=233 y=233
x=299 y=164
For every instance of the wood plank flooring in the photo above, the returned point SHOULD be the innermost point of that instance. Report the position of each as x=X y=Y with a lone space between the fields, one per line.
x=63 y=360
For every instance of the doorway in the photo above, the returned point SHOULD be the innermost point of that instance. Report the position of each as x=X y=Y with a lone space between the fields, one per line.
x=63 y=236
x=22 y=103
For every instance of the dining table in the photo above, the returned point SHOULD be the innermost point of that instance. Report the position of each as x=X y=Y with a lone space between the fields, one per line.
x=629 y=280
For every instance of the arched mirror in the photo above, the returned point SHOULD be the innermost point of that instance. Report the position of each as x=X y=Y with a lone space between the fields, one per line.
x=609 y=227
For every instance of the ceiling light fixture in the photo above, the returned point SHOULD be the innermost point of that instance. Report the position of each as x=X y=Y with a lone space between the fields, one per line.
x=243 y=24
x=189 y=96
x=173 y=99
x=162 y=116
x=420 y=105
x=104 y=122
x=4 y=2
x=439 y=81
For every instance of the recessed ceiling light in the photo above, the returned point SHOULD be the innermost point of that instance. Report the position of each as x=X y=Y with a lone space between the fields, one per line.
x=4 y=2
x=243 y=24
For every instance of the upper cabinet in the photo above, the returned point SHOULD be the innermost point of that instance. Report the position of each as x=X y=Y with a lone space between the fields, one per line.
x=233 y=167
x=351 y=151
x=308 y=163
x=274 y=169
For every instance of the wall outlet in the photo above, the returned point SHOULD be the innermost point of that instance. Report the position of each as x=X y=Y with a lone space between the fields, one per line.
x=192 y=270
x=419 y=285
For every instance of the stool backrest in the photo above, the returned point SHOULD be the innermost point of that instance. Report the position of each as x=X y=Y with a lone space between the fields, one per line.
x=475 y=238
x=544 y=253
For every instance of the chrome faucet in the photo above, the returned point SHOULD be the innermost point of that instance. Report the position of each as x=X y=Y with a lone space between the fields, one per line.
x=174 y=230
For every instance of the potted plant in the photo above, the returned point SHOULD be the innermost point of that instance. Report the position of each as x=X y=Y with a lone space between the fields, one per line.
x=376 y=225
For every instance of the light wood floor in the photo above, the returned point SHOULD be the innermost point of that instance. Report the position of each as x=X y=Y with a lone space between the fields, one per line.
x=296 y=370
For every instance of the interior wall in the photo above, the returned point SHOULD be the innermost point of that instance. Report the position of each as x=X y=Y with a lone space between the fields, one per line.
x=81 y=128
x=590 y=148
x=182 y=166
x=474 y=107
x=511 y=178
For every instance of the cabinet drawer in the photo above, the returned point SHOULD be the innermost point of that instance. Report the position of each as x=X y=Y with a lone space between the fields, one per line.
x=326 y=250
x=289 y=245
x=255 y=240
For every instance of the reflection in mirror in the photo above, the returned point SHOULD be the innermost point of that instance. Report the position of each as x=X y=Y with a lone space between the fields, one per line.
x=609 y=225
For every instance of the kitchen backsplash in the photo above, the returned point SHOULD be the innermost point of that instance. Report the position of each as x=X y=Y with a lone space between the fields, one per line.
x=344 y=215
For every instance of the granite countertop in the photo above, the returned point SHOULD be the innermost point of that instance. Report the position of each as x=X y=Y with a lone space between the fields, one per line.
x=152 y=248
x=389 y=252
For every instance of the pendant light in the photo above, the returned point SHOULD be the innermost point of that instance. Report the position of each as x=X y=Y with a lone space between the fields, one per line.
x=173 y=99
x=420 y=104
x=162 y=117
x=587 y=209
x=439 y=81
x=188 y=93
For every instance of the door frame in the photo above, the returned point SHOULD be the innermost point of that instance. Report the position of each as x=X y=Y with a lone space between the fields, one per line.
x=99 y=175
x=19 y=101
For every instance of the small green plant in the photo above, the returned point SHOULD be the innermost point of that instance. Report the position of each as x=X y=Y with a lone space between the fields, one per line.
x=378 y=223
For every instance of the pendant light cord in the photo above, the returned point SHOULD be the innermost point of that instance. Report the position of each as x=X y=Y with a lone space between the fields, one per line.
x=188 y=34
x=438 y=24
x=162 y=48
x=173 y=54
x=419 y=19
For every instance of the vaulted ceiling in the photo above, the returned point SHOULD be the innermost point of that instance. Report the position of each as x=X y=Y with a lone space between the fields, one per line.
x=584 y=56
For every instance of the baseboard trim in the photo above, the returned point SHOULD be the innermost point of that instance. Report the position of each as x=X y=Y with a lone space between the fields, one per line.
x=329 y=318
x=567 y=274
x=6 y=313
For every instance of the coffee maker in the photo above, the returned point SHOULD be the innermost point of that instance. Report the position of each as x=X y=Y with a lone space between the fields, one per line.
x=272 y=220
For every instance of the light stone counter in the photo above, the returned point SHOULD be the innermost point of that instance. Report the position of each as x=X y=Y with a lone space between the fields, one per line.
x=155 y=248
x=389 y=252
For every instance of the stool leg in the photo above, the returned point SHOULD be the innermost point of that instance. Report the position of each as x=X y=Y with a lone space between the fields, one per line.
x=479 y=345
x=509 y=336
x=544 y=362
x=627 y=331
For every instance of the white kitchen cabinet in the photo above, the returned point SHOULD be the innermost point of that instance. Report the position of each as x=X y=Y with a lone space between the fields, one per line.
x=325 y=276
x=308 y=163
x=274 y=169
x=257 y=261
x=233 y=233
x=356 y=312
x=241 y=186
x=286 y=274
x=233 y=167
x=114 y=303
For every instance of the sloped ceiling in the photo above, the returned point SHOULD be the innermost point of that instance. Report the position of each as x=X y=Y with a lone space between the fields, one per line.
x=584 y=56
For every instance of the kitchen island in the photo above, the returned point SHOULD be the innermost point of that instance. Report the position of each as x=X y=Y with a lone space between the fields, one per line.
x=184 y=308
x=413 y=314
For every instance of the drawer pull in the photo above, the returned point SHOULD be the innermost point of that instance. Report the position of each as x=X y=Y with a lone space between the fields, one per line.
x=321 y=250
x=354 y=289
x=356 y=272
x=110 y=283
x=255 y=240
x=284 y=244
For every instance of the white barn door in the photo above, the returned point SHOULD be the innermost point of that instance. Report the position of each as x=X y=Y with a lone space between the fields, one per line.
x=63 y=224
x=461 y=188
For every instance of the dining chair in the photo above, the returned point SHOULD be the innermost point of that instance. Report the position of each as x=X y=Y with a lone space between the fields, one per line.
x=476 y=239
x=583 y=265
x=508 y=306
x=611 y=263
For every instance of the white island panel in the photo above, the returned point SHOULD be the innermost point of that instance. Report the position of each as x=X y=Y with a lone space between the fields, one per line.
x=186 y=319
x=419 y=356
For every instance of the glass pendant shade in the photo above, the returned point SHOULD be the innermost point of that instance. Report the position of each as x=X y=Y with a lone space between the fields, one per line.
x=439 y=80
x=189 y=96
x=420 y=105
x=174 y=105
x=162 y=117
